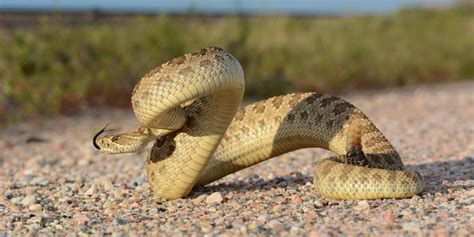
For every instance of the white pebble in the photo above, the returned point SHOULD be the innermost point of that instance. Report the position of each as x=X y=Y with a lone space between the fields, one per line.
x=362 y=205
x=29 y=200
x=92 y=190
x=214 y=198
x=411 y=226
x=35 y=207
x=470 y=193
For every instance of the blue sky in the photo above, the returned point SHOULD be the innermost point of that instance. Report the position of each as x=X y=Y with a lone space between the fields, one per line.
x=285 y=6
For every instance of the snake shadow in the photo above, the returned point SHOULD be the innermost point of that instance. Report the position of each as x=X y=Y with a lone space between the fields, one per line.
x=439 y=177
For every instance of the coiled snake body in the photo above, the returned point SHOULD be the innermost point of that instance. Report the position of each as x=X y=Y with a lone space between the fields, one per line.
x=190 y=107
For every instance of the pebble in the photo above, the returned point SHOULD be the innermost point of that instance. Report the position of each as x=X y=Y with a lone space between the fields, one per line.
x=214 y=198
x=263 y=218
x=119 y=221
x=29 y=200
x=276 y=225
x=296 y=199
x=92 y=190
x=388 y=216
x=362 y=205
x=80 y=219
x=35 y=207
x=320 y=203
x=117 y=234
x=200 y=199
x=83 y=162
x=33 y=227
x=106 y=184
x=206 y=227
x=252 y=226
x=311 y=215
x=35 y=220
x=411 y=226
x=470 y=193
x=276 y=208
x=172 y=209
x=314 y=233
x=108 y=204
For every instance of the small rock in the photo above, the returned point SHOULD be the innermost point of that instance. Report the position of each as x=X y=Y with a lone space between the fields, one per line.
x=80 y=219
x=247 y=213
x=406 y=214
x=117 y=234
x=411 y=226
x=172 y=209
x=108 y=204
x=311 y=215
x=420 y=212
x=35 y=207
x=16 y=200
x=276 y=225
x=35 y=220
x=252 y=226
x=276 y=208
x=320 y=203
x=296 y=199
x=29 y=200
x=82 y=234
x=136 y=181
x=243 y=229
x=83 y=162
x=206 y=227
x=314 y=233
x=117 y=194
x=263 y=218
x=443 y=214
x=106 y=184
x=92 y=190
x=362 y=205
x=271 y=176
x=33 y=227
x=415 y=198
x=200 y=199
x=214 y=198
x=470 y=193
x=118 y=221
x=388 y=216
x=212 y=209
x=40 y=181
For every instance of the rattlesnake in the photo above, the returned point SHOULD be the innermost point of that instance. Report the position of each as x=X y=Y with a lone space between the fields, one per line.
x=190 y=107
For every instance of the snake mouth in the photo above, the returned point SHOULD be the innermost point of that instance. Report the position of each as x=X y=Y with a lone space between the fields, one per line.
x=94 y=140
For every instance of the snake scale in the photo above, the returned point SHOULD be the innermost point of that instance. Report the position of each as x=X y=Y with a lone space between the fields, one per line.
x=189 y=107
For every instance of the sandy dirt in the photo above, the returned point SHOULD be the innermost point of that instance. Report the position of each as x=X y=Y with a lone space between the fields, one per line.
x=52 y=179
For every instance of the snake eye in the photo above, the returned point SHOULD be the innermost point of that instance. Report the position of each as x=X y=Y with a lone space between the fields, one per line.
x=160 y=142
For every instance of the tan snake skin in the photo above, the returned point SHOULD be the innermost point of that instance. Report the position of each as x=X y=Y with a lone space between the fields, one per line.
x=189 y=107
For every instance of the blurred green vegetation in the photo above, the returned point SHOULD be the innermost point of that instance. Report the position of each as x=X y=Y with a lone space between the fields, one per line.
x=52 y=68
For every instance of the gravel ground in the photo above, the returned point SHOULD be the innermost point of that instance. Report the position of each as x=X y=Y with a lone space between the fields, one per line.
x=53 y=181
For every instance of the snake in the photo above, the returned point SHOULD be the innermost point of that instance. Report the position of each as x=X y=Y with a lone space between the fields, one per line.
x=190 y=108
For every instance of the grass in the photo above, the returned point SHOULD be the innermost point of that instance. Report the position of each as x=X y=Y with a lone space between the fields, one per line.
x=53 y=68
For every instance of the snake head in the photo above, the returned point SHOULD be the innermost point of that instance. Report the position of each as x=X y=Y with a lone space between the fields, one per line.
x=101 y=143
x=120 y=143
